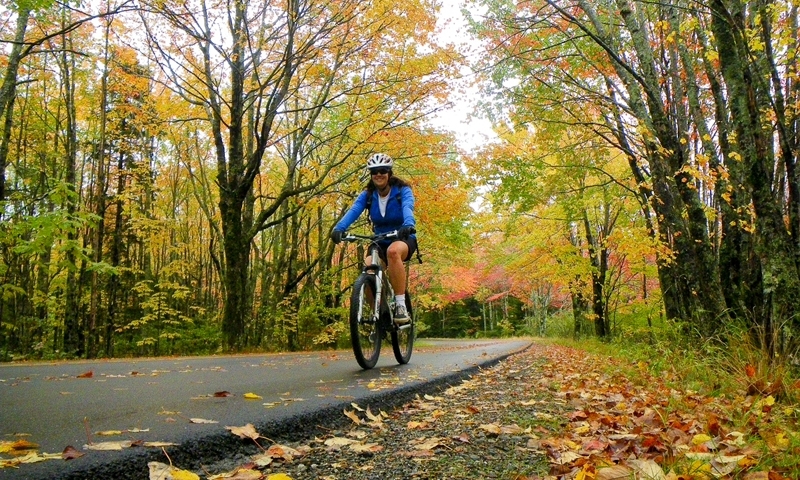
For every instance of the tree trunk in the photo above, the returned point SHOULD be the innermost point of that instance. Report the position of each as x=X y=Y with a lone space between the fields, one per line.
x=9 y=88
x=776 y=257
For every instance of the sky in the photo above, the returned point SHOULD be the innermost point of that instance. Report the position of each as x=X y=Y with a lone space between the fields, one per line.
x=471 y=132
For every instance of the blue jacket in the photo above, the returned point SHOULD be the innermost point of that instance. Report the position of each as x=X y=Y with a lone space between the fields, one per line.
x=396 y=215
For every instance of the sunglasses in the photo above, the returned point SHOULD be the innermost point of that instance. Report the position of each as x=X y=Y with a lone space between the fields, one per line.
x=379 y=171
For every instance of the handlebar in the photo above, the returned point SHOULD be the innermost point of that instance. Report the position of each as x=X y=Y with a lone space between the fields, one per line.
x=352 y=237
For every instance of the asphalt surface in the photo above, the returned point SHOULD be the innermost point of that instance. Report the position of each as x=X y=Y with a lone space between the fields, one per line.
x=57 y=405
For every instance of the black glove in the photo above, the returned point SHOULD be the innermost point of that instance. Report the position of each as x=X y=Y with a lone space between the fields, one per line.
x=404 y=232
x=336 y=236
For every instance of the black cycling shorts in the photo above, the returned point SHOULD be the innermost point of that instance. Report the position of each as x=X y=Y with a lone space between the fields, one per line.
x=410 y=241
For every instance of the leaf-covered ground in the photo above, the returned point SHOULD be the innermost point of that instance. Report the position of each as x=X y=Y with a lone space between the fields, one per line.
x=549 y=412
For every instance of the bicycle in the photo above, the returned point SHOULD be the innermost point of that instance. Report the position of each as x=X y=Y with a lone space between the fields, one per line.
x=372 y=306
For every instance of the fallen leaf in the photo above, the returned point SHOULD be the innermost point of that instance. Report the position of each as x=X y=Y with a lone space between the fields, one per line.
x=566 y=458
x=202 y=420
x=184 y=475
x=247 y=431
x=71 y=453
x=252 y=396
x=352 y=416
x=648 y=469
x=373 y=417
x=158 y=444
x=366 y=447
x=162 y=471
x=491 y=428
x=245 y=474
x=279 y=476
x=283 y=452
x=223 y=393
x=262 y=460
x=756 y=476
x=339 y=442
x=109 y=433
x=415 y=425
x=17 y=446
x=614 y=472
x=513 y=429
x=106 y=446
x=429 y=444
x=33 y=457
x=88 y=374
x=700 y=439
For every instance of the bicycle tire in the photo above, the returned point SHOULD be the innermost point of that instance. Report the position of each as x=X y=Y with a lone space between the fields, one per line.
x=403 y=336
x=365 y=333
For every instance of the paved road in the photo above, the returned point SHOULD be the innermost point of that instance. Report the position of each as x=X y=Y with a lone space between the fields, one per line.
x=59 y=405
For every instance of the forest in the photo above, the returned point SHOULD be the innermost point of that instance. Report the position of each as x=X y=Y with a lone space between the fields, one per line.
x=170 y=172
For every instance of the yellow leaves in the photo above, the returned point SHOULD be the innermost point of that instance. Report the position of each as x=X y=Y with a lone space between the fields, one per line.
x=765 y=402
x=162 y=471
x=252 y=396
x=700 y=439
x=17 y=446
x=184 y=475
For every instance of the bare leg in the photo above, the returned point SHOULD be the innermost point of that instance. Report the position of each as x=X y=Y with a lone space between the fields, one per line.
x=396 y=252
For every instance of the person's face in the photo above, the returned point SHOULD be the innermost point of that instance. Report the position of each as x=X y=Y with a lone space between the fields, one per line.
x=380 y=177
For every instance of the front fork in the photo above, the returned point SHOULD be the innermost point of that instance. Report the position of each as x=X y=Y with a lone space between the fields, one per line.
x=378 y=269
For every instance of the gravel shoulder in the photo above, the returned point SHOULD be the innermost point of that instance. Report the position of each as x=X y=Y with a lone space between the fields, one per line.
x=486 y=426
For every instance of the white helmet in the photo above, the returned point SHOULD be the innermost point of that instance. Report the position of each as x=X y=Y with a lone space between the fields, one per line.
x=379 y=160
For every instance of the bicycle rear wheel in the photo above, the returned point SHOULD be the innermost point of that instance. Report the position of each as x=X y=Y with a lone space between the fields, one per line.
x=365 y=331
x=403 y=335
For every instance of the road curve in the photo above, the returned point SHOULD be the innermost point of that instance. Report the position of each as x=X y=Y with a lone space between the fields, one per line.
x=56 y=405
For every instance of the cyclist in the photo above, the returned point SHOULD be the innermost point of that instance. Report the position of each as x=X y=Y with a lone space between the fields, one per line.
x=391 y=207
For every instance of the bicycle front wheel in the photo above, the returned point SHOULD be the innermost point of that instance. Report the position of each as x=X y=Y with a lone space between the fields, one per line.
x=403 y=335
x=365 y=330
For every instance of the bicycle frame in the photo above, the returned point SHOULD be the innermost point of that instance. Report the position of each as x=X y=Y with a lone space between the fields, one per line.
x=372 y=319
x=378 y=267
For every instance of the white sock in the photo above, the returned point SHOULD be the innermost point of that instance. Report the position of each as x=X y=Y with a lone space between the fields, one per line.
x=400 y=300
